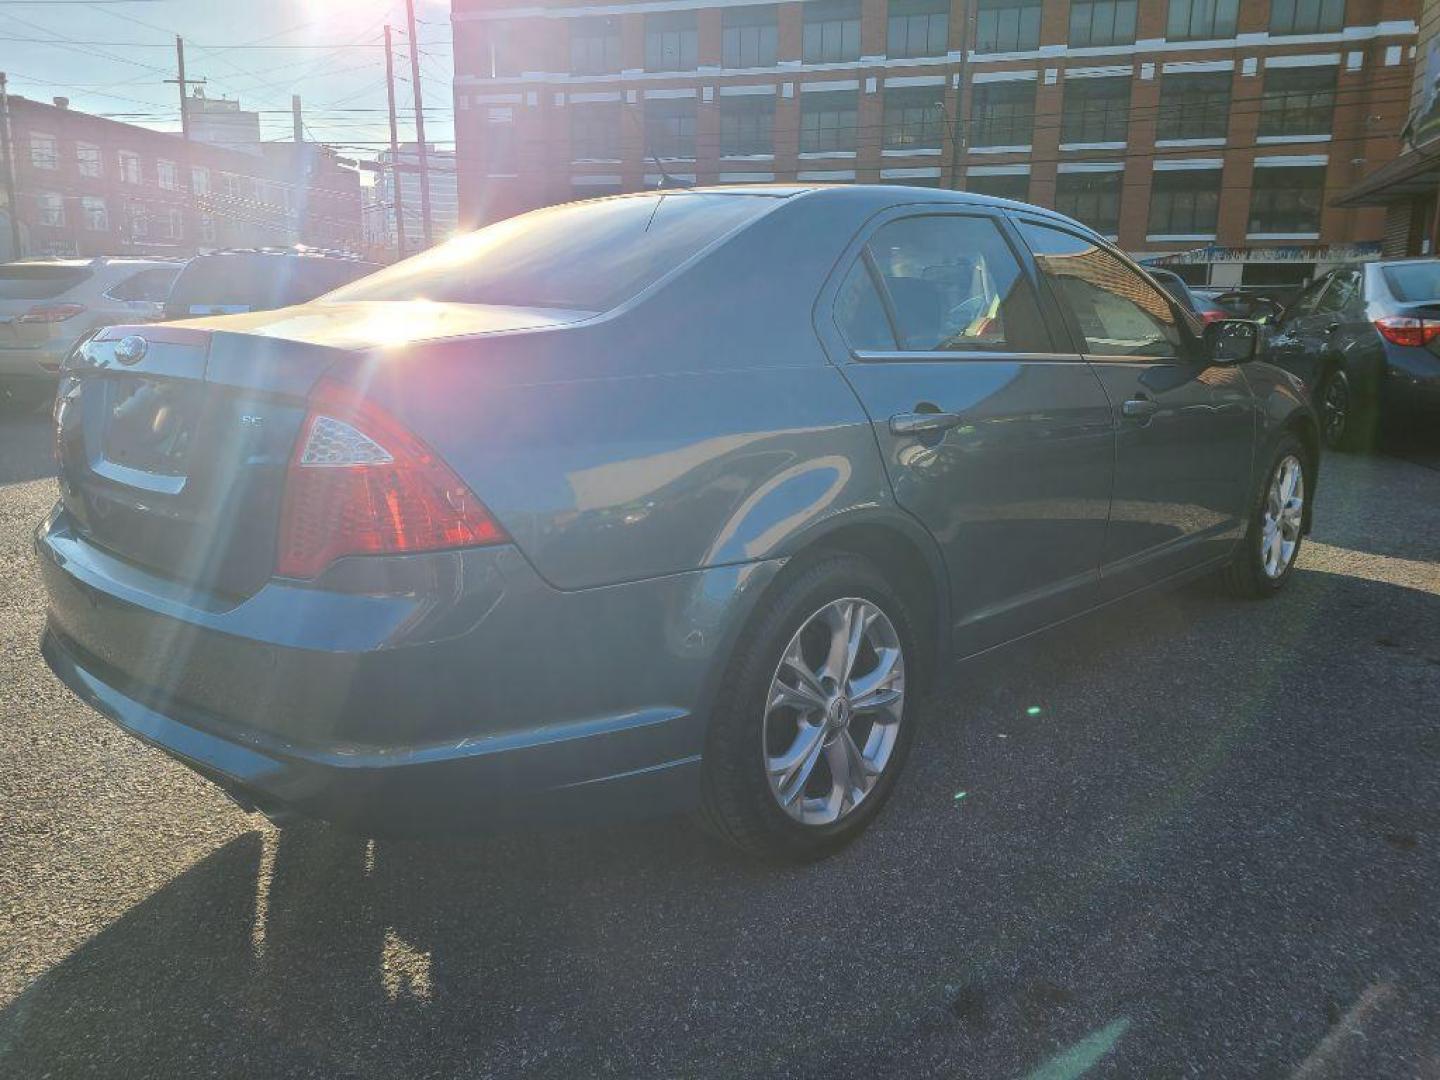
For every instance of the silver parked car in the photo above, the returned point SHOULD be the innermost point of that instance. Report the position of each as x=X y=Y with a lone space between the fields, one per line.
x=48 y=305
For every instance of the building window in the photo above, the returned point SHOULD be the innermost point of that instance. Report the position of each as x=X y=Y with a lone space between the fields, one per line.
x=671 y=42
x=1102 y=22
x=1091 y=198
x=832 y=31
x=1004 y=113
x=746 y=125
x=914 y=118
x=1287 y=200
x=500 y=156
x=595 y=131
x=1095 y=111
x=51 y=208
x=912 y=181
x=138 y=219
x=827 y=122
x=166 y=175
x=88 y=160
x=44 y=153
x=1201 y=20
x=207 y=229
x=129 y=166
x=670 y=128
x=918 y=27
x=487 y=45
x=168 y=224
x=749 y=37
x=1306 y=16
x=94 y=213
x=1194 y=105
x=200 y=180
x=595 y=45
x=1185 y=202
x=1004 y=186
x=1007 y=25
x=1298 y=101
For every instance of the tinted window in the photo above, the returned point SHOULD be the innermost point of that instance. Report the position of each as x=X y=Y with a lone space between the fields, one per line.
x=582 y=256
x=256 y=281
x=859 y=312
x=953 y=283
x=150 y=285
x=1344 y=287
x=1309 y=299
x=21 y=282
x=1118 y=311
x=1414 y=281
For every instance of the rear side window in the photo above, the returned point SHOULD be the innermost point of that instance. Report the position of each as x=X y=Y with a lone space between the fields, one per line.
x=21 y=282
x=152 y=286
x=943 y=282
x=1118 y=311
x=1414 y=281
x=257 y=281
x=587 y=256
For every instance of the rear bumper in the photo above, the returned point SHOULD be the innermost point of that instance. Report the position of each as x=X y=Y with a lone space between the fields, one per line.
x=437 y=692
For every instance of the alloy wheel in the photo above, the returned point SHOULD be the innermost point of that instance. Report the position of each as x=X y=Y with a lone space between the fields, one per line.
x=1283 y=517
x=833 y=713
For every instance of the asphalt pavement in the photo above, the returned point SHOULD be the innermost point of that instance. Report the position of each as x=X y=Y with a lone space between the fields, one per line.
x=1189 y=836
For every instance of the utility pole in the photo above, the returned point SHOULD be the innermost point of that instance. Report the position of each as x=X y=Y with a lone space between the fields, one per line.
x=187 y=185
x=394 y=147
x=295 y=116
x=419 y=124
x=8 y=151
x=961 y=138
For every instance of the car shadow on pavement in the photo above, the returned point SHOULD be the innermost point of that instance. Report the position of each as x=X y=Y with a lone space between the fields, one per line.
x=25 y=451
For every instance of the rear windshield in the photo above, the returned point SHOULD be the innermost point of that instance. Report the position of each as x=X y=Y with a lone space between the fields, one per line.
x=1414 y=281
x=587 y=256
x=242 y=281
x=21 y=282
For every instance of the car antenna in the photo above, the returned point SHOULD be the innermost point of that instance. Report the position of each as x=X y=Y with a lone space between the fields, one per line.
x=666 y=180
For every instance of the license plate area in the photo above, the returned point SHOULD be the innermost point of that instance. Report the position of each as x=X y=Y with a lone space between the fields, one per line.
x=149 y=427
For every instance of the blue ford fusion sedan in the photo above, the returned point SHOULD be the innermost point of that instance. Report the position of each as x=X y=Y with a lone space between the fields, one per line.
x=662 y=502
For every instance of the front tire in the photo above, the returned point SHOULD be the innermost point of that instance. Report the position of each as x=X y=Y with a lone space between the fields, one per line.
x=817 y=714
x=1265 y=557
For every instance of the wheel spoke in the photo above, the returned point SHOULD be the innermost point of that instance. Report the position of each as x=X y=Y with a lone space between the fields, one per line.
x=792 y=769
x=841 y=617
x=852 y=773
x=807 y=680
x=875 y=690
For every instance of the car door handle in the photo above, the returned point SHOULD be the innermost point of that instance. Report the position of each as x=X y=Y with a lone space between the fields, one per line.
x=922 y=423
x=1139 y=408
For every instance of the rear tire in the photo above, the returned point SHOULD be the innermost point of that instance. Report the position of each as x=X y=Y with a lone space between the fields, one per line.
x=1266 y=555
x=752 y=797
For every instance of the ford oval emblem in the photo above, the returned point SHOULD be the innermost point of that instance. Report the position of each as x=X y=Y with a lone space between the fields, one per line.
x=129 y=349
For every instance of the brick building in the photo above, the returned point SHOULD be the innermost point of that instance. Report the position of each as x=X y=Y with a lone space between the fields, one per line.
x=87 y=185
x=1211 y=133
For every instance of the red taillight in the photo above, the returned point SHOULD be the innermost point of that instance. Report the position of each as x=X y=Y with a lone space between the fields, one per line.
x=1404 y=330
x=359 y=483
x=42 y=313
x=1210 y=315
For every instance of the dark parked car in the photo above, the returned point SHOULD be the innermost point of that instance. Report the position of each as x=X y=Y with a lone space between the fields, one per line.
x=1202 y=307
x=652 y=503
x=1366 y=340
x=1243 y=303
x=259 y=279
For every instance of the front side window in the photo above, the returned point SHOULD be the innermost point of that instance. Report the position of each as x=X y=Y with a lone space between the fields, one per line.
x=672 y=42
x=670 y=128
x=914 y=118
x=747 y=123
x=827 y=122
x=1007 y=25
x=1287 y=200
x=749 y=36
x=1306 y=16
x=595 y=45
x=1003 y=185
x=831 y=31
x=1298 y=101
x=1004 y=113
x=1102 y=22
x=1202 y=20
x=1194 y=105
x=1185 y=202
x=44 y=153
x=1095 y=111
x=88 y=160
x=949 y=283
x=1342 y=295
x=1118 y=312
x=595 y=131
x=1091 y=198
x=917 y=27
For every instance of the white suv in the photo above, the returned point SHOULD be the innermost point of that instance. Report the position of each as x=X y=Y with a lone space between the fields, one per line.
x=47 y=305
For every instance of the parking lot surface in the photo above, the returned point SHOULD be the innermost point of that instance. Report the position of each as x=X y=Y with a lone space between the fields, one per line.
x=1189 y=836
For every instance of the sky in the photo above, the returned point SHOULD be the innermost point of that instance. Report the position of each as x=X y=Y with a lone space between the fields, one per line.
x=111 y=57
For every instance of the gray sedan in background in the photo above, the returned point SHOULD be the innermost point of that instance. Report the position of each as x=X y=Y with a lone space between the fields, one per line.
x=660 y=502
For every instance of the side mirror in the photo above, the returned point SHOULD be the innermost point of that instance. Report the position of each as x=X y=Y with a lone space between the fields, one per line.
x=1232 y=341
